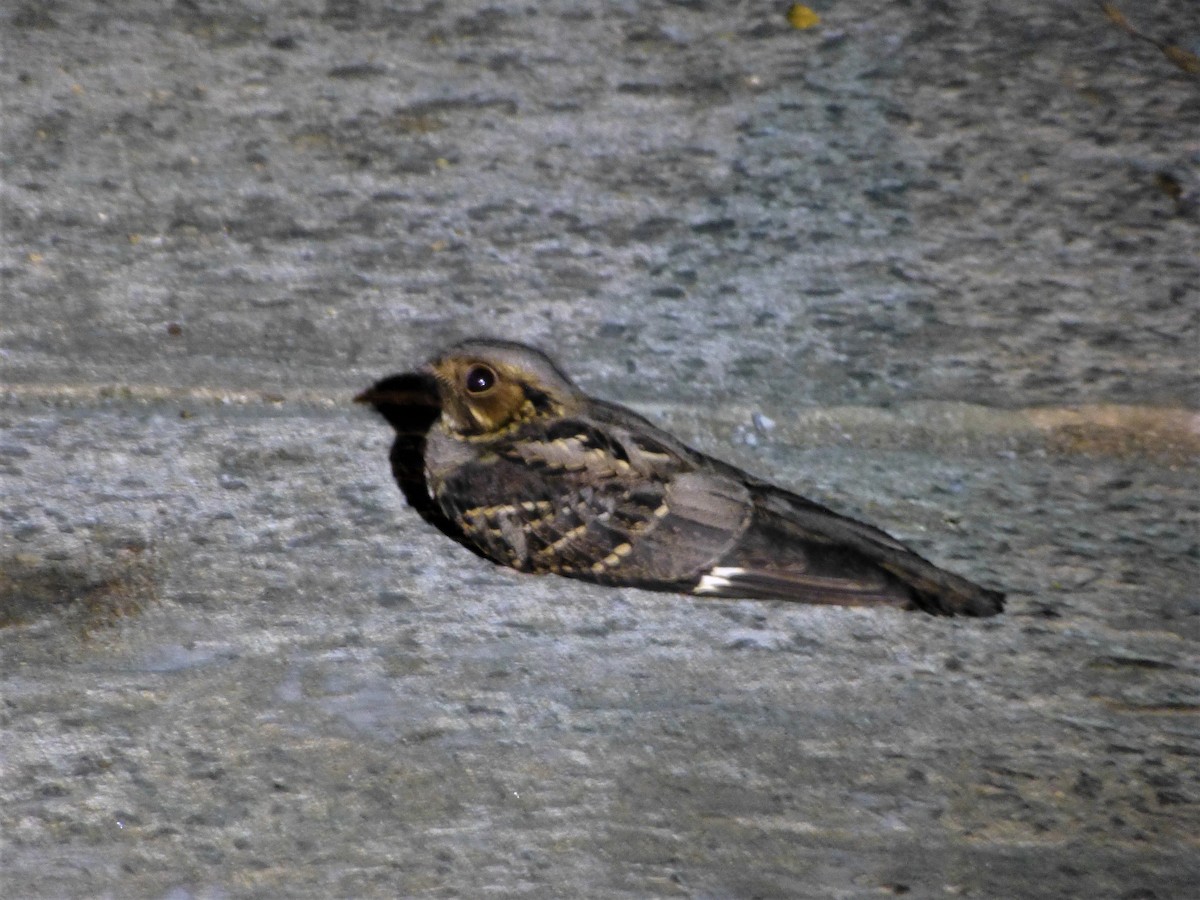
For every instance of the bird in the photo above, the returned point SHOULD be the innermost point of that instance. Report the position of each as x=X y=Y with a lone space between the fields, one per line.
x=499 y=450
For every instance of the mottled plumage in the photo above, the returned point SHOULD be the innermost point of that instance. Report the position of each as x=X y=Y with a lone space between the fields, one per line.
x=499 y=450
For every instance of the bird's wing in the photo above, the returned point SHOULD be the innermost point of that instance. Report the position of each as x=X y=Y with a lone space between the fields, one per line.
x=720 y=532
x=591 y=502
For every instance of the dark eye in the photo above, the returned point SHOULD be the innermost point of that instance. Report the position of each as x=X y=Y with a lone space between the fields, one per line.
x=480 y=380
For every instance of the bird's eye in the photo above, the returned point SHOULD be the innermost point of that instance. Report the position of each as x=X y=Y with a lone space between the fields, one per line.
x=480 y=380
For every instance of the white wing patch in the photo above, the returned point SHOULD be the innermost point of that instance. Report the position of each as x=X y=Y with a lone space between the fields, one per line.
x=717 y=579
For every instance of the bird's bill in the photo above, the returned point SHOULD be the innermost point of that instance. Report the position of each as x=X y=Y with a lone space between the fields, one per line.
x=406 y=389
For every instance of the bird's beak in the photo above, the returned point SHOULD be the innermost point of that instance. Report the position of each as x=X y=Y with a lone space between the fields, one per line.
x=407 y=389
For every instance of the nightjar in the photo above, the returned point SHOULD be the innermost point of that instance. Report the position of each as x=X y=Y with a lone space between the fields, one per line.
x=499 y=450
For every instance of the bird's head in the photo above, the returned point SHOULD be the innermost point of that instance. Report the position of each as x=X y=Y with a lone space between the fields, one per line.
x=488 y=387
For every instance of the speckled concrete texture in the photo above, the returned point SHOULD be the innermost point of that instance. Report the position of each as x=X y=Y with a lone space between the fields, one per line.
x=932 y=264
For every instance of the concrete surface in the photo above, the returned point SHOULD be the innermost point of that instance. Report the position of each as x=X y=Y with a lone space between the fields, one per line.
x=938 y=245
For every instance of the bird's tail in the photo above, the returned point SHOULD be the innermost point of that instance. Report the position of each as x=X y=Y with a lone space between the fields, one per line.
x=933 y=589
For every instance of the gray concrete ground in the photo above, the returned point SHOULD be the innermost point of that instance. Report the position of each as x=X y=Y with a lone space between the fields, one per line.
x=949 y=249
